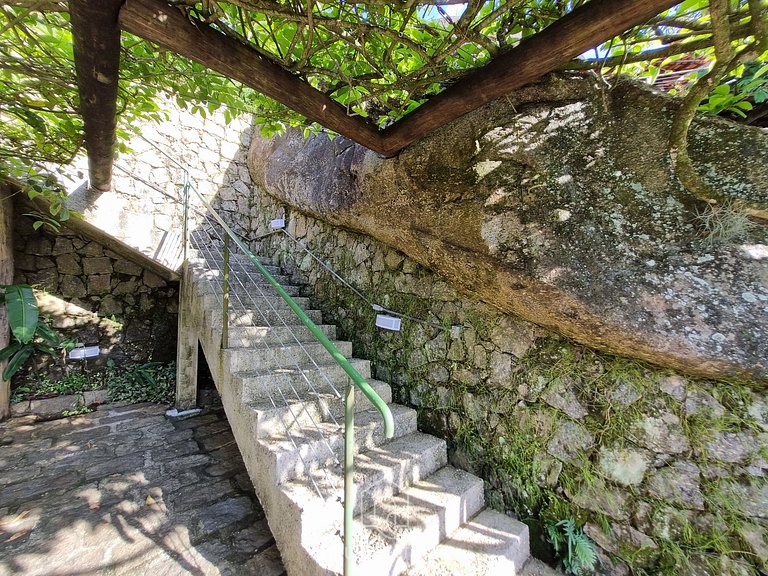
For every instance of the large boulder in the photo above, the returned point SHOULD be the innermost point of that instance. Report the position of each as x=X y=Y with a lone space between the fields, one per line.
x=559 y=204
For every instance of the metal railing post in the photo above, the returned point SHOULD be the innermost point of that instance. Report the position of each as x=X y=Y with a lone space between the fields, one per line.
x=185 y=220
x=349 y=474
x=225 y=298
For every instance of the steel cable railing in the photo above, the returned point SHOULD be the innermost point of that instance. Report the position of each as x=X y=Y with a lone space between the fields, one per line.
x=250 y=304
x=355 y=380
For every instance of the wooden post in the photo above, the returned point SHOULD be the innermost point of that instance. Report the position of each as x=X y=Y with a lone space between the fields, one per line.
x=96 y=43
x=186 y=346
x=6 y=277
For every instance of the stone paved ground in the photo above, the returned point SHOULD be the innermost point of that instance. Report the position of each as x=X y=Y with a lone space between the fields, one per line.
x=123 y=490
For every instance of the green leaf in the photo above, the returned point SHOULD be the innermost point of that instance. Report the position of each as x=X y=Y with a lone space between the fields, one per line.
x=10 y=350
x=21 y=304
x=45 y=348
x=17 y=361
x=46 y=333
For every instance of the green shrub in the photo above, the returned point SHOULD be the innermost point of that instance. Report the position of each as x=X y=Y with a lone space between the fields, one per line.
x=150 y=382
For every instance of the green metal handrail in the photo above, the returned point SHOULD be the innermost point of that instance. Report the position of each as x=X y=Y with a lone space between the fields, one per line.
x=354 y=376
x=349 y=396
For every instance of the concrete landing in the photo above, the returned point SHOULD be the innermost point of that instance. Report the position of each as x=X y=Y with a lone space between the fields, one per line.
x=124 y=490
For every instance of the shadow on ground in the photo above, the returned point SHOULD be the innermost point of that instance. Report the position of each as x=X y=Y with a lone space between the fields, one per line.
x=123 y=490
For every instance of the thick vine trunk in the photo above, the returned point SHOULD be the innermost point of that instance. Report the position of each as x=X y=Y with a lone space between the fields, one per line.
x=559 y=204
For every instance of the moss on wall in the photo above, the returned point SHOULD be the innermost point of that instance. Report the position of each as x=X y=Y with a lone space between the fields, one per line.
x=666 y=473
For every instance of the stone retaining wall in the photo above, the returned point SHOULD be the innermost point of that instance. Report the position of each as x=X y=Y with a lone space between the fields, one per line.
x=667 y=472
x=145 y=207
x=96 y=297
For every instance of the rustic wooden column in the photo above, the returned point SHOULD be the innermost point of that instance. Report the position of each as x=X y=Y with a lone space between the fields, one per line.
x=6 y=277
x=96 y=43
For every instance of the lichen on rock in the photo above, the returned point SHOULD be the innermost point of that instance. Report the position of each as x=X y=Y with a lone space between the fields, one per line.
x=559 y=204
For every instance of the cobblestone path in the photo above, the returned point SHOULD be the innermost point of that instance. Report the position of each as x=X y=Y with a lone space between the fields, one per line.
x=125 y=491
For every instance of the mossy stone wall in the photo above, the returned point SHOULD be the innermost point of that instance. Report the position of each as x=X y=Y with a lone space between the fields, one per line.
x=96 y=297
x=666 y=473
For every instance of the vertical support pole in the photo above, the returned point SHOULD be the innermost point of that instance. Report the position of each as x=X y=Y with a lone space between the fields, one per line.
x=6 y=277
x=349 y=474
x=225 y=297
x=185 y=220
x=186 y=347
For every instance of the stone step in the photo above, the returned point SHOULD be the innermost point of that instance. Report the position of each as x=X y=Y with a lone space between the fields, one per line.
x=243 y=336
x=316 y=499
x=284 y=410
x=489 y=544
x=271 y=357
x=263 y=288
x=215 y=260
x=236 y=277
x=250 y=317
x=288 y=455
x=252 y=300
x=399 y=531
x=299 y=379
x=256 y=288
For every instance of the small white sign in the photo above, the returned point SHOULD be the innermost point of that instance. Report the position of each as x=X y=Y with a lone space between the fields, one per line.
x=84 y=352
x=277 y=223
x=388 y=322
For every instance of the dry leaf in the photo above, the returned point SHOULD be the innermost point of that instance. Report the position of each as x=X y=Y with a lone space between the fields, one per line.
x=94 y=506
x=18 y=534
x=150 y=501
x=19 y=517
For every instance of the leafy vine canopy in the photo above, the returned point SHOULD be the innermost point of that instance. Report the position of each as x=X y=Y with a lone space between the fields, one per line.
x=380 y=59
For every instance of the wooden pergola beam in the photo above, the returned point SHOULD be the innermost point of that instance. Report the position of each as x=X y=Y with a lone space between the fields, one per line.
x=585 y=27
x=165 y=25
x=96 y=34
x=96 y=43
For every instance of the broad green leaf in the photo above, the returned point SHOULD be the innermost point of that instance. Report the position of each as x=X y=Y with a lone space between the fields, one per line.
x=46 y=333
x=17 y=361
x=10 y=350
x=21 y=304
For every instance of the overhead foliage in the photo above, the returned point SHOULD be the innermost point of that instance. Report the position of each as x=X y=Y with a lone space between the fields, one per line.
x=380 y=59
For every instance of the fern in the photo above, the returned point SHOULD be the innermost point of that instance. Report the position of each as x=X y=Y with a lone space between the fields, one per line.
x=580 y=555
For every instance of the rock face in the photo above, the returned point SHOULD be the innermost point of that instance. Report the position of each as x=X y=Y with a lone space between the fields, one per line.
x=559 y=205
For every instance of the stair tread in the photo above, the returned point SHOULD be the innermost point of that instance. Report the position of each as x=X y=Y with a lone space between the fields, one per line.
x=491 y=543
x=378 y=464
x=256 y=328
x=323 y=391
x=402 y=529
x=241 y=336
x=288 y=346
x=324 y=430
x=321 y=364
x=252 y=316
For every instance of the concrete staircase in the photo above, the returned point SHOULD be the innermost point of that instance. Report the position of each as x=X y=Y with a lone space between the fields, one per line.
x=414 y=514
